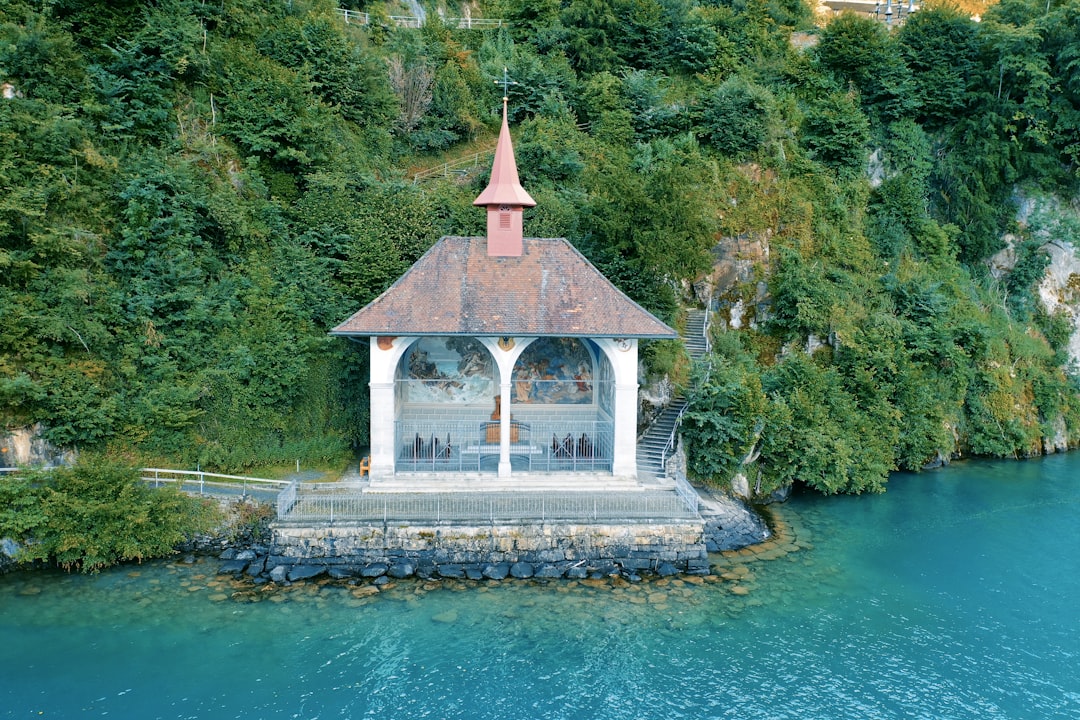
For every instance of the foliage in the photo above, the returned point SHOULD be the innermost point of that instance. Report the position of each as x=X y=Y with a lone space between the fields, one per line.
x=96 y=514
x=192 y=194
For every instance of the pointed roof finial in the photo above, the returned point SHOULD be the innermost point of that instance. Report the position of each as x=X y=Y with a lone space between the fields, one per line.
x=504 y=188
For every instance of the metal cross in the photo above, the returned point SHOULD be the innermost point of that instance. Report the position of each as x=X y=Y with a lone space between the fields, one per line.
x=506 y=82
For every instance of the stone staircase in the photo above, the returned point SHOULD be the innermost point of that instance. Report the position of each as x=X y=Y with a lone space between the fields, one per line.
x=656 y=444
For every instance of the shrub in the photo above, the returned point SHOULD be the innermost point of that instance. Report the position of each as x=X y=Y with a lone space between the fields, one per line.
x=96 y=514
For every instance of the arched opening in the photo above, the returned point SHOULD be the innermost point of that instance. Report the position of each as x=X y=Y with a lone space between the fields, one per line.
x=554 y=371
x=445 y=393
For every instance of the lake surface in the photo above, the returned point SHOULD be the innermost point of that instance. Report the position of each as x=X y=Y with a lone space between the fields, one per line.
x=954 y=595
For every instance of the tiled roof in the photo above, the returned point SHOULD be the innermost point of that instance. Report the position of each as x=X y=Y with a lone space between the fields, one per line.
x=456 y=288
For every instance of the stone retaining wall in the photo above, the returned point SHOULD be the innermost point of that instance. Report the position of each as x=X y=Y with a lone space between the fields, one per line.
x=539 y=550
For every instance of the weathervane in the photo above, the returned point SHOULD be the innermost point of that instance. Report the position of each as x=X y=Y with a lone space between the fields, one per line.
x=506 y=82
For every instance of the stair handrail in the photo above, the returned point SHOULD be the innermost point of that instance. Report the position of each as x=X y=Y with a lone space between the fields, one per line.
x=705 y=327
x=670 y=445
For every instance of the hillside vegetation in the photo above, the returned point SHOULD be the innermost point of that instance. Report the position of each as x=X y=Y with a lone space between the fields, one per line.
x=192 y=193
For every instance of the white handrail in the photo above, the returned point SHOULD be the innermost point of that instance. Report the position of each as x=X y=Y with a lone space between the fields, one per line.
x=202 y=475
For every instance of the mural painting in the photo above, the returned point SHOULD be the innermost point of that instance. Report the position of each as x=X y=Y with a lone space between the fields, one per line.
x=448 y=369
x=554 y=371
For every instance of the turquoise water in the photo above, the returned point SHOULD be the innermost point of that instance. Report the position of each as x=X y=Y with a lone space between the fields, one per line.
x=954 y=595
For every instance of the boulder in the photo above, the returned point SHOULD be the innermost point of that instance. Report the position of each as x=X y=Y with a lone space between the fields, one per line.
x=498 y=571
x=474 y=573
x=577 y=572
x=548 y=571
x=279 y=573
x=233 y=567
x=401 y=570
x=522 y=570
x=305 y=572
x=374 y=570
x=450 y=570
x=229 y=554
x=667 y=569
x=342 y=572
x=245 y=555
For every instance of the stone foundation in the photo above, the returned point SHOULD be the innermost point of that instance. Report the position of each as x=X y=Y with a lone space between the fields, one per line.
x=535 y=550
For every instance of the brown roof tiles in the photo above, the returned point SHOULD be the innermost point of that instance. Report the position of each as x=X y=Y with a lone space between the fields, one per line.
x=456 y=288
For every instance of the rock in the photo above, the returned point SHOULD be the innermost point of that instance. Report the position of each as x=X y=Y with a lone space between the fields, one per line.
x=451 y=571
x=474 y=573
x=305 y=572
x=374 y=570
x=229 y=554
x=576 y=572
x=666 y=570
x=498 y=571
x=233 y=567
x=256 y=568
x=342 y=572
x=449 y=617
x=188 y=559
x=279 y=573
x=522 y=570
x=401 y=570
x=779 y=495
x=548 y=571
x=245 y=555
x=740 y=485
x=381 y=580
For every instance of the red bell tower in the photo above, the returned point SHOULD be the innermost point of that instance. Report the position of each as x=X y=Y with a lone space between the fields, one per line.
x=504 y=198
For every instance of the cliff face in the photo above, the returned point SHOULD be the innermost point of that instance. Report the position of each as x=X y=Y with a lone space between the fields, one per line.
x=25 y=446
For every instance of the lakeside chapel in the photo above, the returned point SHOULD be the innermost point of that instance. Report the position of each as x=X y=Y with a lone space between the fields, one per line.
x=502 y=356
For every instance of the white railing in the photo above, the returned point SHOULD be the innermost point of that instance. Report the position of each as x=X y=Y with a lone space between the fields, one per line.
x=670 y=445
x=453 y=167
x=686 y=492
x=320 y=504
x=411 y=21
x=287 y=498
x=355 y=16
x=9 y=470
x=705 y=327
x=572 y=446
x=189 y=480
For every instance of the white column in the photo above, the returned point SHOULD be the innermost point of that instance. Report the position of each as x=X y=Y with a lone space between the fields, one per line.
x=623 y=355
x=385 y=354
x=504 y=428
x=382 y=430
x=506 y=352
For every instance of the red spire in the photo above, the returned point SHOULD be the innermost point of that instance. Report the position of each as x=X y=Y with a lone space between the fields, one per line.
x=505 y=199
x=504 y=188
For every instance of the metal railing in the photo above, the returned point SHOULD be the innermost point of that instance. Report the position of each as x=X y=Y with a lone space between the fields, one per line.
x=410 y=21
x=454 y=167
x=574 y=446
x=214 y=483
x=670 y=445
x=705 y=327
x=686 y=493
x=322 y=505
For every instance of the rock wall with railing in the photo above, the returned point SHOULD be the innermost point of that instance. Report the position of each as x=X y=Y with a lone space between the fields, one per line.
x=547 y=550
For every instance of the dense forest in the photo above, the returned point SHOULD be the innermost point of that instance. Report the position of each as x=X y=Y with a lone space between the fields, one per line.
x=192 y=192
